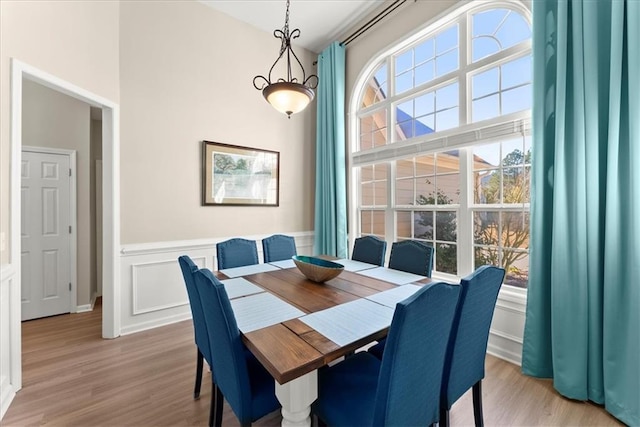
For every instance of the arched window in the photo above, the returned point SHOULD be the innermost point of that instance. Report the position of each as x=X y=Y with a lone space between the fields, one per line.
x=441 y=148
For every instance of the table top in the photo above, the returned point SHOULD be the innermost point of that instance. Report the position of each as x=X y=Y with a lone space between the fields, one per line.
x=291 y=348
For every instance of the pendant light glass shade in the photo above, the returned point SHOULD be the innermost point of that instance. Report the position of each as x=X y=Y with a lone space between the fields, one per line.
x=288 y=96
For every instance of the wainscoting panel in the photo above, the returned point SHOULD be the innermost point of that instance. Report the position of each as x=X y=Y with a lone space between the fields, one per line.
x=507 y=328
x=9 y=345
x=153 y=290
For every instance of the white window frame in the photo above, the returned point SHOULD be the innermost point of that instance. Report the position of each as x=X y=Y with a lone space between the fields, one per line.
x=462 y=137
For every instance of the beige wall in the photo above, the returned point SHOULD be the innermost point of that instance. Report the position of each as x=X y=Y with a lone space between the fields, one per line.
x=76 y=41
x=182 y=72
x=51 y=119
x=186 y=75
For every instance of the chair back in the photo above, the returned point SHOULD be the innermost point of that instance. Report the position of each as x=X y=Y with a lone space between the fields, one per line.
x=411 y=372
x=369 y=249
x=227 y=356
x=278 y=248
x=467 y=346
x=199 y=326
x=412 y=256
x=236 y=252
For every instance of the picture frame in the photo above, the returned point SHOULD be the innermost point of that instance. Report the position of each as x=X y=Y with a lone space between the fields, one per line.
x=233 y=175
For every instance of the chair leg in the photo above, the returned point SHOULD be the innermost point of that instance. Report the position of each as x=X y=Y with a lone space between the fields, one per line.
x=219 y=406
x=444 y=417
x=212 y=407
x=477 y=404
x=199 y=366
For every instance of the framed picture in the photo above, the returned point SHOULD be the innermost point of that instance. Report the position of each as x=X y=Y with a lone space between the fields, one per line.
x=239 y=176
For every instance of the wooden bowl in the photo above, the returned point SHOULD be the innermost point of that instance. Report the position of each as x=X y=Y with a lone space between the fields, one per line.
x=317 y=269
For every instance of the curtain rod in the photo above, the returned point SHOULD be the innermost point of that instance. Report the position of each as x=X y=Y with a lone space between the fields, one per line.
x=373 y=21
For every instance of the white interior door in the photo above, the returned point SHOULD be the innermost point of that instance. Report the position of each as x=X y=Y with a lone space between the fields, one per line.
x=46 y=235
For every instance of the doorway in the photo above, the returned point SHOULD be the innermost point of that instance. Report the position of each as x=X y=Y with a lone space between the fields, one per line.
x=111 y=210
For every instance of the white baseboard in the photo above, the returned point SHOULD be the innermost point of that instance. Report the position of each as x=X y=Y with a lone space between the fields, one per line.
x=87 y=307
x=144 y=326
x=6 y=395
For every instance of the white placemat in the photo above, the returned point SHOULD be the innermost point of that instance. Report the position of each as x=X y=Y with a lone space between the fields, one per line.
x=262 y=310
x=240 y=287
x=352 y=265
x=287 y=263
x=390 y=275
x=346 y=323
x=393 y=296
x=248 y=269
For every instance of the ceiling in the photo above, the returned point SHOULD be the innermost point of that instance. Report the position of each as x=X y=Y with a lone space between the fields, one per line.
x=320 y=21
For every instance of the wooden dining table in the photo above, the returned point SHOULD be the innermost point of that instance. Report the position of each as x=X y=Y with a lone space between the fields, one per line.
x=292 y=351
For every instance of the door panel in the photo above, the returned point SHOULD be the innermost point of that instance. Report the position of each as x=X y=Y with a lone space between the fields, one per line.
x=45 y=235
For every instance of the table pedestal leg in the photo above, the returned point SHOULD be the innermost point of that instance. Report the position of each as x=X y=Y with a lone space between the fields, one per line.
x=296 y=398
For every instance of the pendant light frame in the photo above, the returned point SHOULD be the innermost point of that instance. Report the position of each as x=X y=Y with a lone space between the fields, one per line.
x=290 y=84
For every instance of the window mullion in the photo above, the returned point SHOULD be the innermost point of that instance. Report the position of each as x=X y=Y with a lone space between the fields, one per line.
x=465 y=214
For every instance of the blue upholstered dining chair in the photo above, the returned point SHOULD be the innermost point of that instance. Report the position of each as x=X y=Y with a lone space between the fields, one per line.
x=278 y=248
x=402 y=389
x=467 y=348
x=369 y=249
x=241 y=379
x=200 y=328
x=236 y=252
x=412 y=256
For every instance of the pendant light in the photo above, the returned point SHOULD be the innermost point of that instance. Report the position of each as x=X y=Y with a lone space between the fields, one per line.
x=287 y=95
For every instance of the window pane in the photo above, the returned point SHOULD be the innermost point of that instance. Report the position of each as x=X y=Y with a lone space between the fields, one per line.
x=403 y=224
x=380 y=137
x=485 y=108
x=513 y=185
x=425 y=72
x=447 y=119
x=514 y=30
x=517 y=99
x=404 y=82
x=425 y=191
x=446 y=226
x=366 y=194
x=378 y=223
x=376 y=88
x=423 y=223
x=448 y=162
x=424 y=51
x=448 y=189
x=484 y=46
x=425 y=165
x=447 y=97
x=380 y=189
x=366 y=173
x=486 y=156
x=485 y=83
x=447 y=63
x=404 y=192
x=517 y=72
x=486 y=186
x=447 y=258
x=486 y=228
x=447 y=40
x=515 y=230
x=486 y=256
x=366 y=222
x=404 y=62
x=516 y=264
x=380 y=171
x=404 y=168
x=425 y=104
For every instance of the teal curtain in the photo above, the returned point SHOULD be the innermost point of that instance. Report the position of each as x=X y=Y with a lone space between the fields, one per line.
x=583 y=323
x=331 y=185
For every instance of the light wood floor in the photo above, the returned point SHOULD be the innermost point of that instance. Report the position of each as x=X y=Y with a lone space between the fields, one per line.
x=72 y=377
